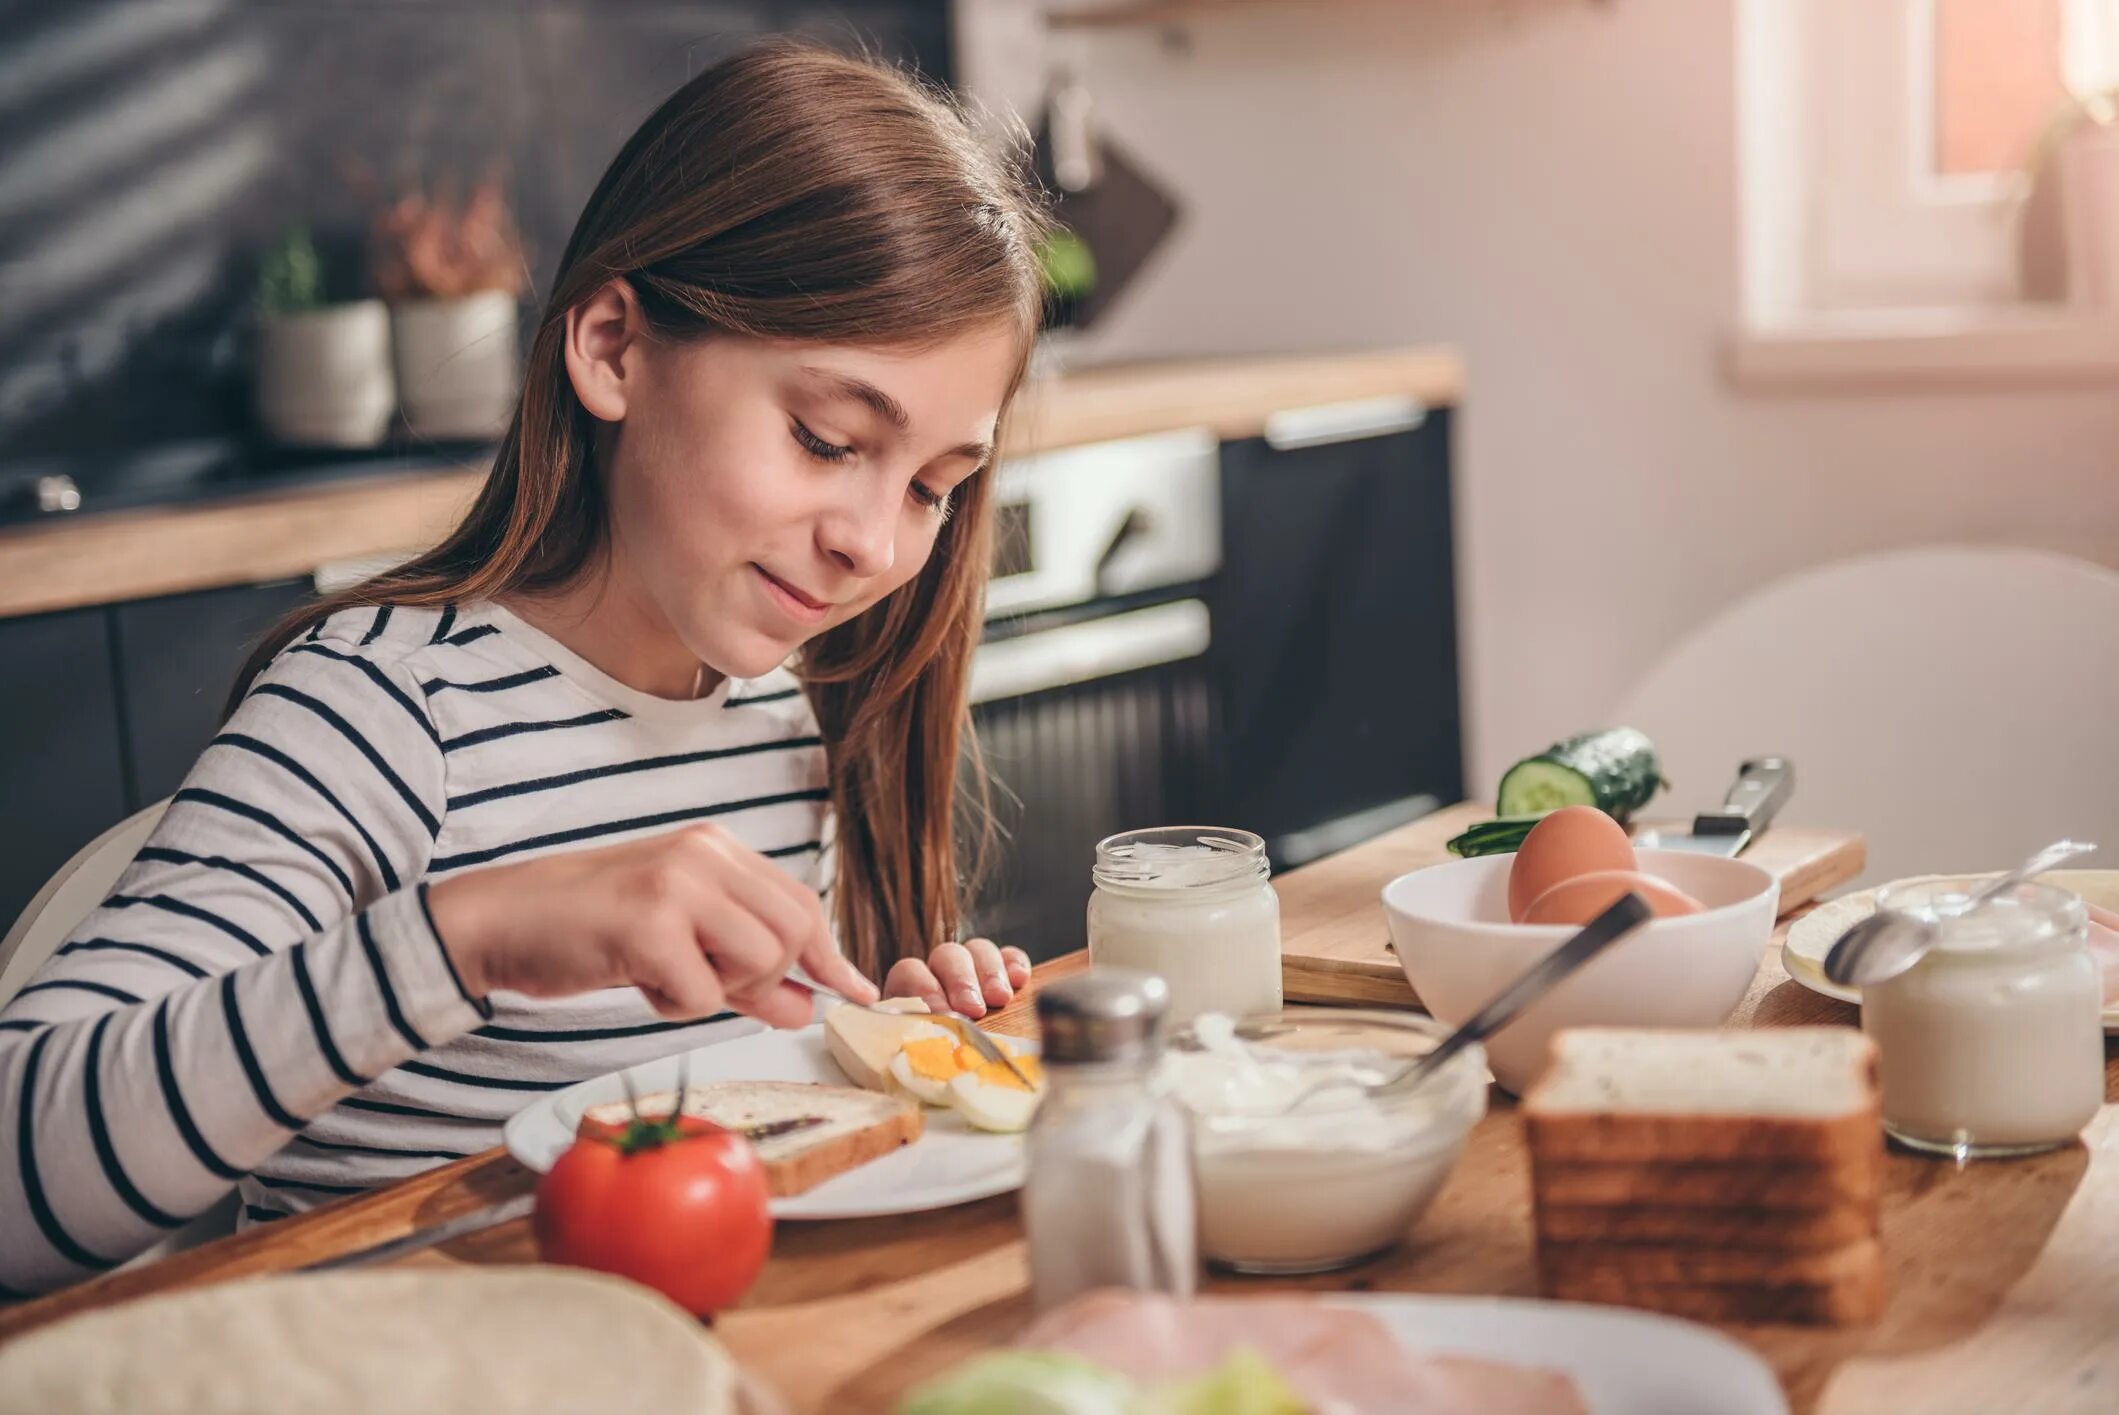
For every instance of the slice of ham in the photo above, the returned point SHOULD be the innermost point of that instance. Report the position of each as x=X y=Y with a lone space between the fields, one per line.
x=1342 y=1361
x=2104 y=947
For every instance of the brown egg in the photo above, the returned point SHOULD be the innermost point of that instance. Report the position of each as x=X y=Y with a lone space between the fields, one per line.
x=1578 y=900
x=1573 y=840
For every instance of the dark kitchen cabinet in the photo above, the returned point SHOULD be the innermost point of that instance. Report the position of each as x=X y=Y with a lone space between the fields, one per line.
x=177 y=658
x=1335 y=636
x=62 y=775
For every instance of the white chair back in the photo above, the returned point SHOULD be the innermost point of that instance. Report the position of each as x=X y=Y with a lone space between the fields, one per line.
x=70 y=896
x=1958 y=705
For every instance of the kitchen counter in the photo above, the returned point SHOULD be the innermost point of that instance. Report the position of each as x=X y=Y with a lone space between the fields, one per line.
x=107 y=557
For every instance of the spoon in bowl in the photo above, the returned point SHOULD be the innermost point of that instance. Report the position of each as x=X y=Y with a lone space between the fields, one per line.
x=1887 y=942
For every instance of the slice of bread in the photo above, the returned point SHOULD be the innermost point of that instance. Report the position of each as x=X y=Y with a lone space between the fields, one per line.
x=1853 y=1301
x=1765 y=1230
x=1782 y=1094
x=1742 y=1184
x=858 y=1126
x=1651 y=1265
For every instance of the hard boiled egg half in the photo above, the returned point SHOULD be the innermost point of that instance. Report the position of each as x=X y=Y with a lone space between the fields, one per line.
x=925 y=1065
x=990 y=1097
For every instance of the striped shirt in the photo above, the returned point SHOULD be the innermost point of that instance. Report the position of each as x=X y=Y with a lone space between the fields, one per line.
x=263 y=1002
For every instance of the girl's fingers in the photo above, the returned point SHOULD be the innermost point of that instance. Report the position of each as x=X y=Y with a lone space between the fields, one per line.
x=909 y=977
x=958 y=974
x=1018 y=965
x=992 y=971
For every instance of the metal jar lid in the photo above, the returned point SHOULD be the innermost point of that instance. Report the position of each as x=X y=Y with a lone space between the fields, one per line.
x=1105 y=1015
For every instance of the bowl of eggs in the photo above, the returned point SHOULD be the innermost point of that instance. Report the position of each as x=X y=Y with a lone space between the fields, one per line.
x=1465 y=930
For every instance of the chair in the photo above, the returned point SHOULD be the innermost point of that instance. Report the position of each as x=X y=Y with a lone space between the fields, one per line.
x=1958 y=705
x=67 y=898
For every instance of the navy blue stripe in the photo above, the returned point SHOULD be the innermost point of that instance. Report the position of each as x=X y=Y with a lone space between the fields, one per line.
x=417 y=1112
x=79 y=985
x=383 y=1150
x=267 y=1101
x=21 y=1024
x=517 y=729
x=781 y=852
x=591 y=832
x=185 y=910
x=32 y=1184
x=220 y=862
x=270 y=753
x=270 y=822
x=166 y=1071
x=594 y=773
x=99 y=1133
x=270 y=1183
x=257 y=1214
x=491 y=685
x=316 y=631
x=161 y=955
x=375 y=630
x=381 y=680
x=352 y=734
x=471 y=635
x=478 y=1004
x=448 y=622
x=597 y=1034
x=490 y=1083
x=782 y=696
x=306 y=985
x=382 y=981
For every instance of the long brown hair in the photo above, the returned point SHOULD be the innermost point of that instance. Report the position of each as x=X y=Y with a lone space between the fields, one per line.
x=790 y=193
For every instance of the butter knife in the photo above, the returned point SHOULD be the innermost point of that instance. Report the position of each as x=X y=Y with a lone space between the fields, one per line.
x=494 y=1215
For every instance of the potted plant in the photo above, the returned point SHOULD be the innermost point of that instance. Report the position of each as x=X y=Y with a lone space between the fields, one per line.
x=453 y=274
x=323 y=368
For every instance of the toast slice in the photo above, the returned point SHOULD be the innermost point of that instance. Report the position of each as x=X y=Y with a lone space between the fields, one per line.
x=1764 y=1230
x=1741 y=1185
x=857 y=1126
x=1787 y=1095
x=1666 y=1265
x=1853 y=1301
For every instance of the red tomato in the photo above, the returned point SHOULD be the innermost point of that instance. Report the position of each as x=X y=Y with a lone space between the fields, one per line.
x=684 y=1211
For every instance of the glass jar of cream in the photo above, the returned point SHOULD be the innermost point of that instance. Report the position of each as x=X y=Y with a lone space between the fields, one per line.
x=1993 y=1042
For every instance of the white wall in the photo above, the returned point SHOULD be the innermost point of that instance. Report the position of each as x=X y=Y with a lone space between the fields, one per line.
x=1550 y=185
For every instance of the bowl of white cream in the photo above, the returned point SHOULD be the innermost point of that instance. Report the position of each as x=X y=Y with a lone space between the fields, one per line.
x=1343 y=1173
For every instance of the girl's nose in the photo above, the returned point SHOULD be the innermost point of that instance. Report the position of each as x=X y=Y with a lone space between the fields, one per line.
x=860 y=536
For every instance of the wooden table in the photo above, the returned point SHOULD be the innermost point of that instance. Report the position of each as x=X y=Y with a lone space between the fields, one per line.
x=2005 y=1275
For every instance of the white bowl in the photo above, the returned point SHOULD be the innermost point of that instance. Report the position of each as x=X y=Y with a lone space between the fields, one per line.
x=1449 y=925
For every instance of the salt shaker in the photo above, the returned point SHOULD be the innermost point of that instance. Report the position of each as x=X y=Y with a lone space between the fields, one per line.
x=1108 y=1200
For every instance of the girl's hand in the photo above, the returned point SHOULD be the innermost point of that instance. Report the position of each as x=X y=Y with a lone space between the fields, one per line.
x=695 y=919
x=970 y=978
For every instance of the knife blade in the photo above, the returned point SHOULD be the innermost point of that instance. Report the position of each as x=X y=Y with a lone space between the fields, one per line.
x=494 y=1215
x=1761 y=788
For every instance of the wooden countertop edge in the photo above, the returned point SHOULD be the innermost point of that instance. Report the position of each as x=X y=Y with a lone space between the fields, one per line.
x=109 y=558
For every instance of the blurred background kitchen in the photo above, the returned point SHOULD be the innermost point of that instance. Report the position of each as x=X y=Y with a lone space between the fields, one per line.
x=1429 y=379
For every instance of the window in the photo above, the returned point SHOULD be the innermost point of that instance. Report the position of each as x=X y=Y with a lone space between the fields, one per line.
x=1889 y=144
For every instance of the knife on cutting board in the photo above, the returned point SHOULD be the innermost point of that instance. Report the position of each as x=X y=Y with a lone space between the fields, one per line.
x=1761 y=788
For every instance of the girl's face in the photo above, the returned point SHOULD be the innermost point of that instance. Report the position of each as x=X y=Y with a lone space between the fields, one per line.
x=762 y=492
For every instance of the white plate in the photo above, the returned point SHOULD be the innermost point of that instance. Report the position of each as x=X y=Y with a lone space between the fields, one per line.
x=1811 y=937
x=1625 y=1362
x=951 y=1163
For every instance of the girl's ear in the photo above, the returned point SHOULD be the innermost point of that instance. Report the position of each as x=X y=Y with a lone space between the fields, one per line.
x=605 y=336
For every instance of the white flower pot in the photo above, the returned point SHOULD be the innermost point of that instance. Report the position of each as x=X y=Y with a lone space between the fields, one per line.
x=323 y=376
x=456 y=364
x=2089 y=200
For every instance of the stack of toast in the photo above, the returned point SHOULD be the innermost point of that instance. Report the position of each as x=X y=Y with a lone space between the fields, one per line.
x=1726 y=1176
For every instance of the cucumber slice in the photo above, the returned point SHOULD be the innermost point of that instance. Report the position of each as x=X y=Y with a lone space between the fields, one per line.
x=1536 y=786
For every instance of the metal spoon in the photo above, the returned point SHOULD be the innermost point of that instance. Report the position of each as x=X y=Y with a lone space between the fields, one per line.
x=1607 y=928
x=1888 y=942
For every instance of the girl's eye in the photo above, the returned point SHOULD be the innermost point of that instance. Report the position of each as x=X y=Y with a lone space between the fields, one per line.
x=935 y=501
x=817 y=447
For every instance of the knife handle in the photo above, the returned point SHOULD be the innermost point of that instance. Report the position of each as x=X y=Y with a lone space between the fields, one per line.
x=1760 y=790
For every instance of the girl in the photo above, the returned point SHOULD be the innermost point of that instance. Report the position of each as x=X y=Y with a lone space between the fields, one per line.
x=551 y=800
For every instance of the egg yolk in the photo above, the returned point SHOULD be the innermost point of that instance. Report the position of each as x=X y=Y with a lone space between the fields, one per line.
x=994 y=1073
x=936 y=1058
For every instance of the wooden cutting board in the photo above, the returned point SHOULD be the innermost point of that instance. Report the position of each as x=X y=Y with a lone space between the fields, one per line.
x=1336 y=948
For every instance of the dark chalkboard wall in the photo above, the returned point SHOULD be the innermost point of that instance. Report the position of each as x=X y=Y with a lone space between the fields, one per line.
x=150 y=148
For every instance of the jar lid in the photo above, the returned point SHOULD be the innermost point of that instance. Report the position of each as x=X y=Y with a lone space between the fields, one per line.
x=1105 y=1015
x=1180 y=857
